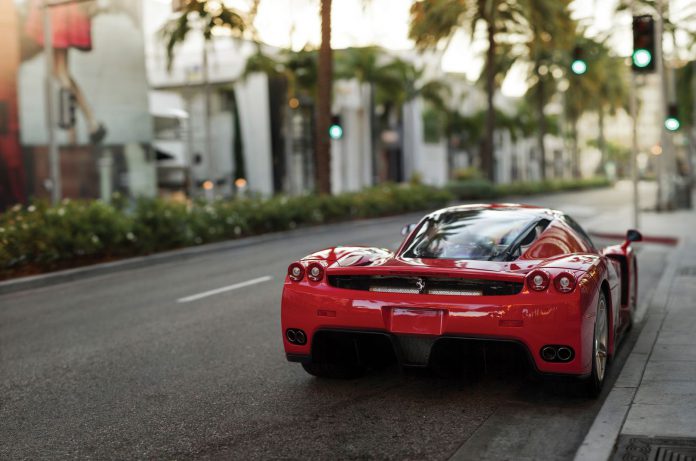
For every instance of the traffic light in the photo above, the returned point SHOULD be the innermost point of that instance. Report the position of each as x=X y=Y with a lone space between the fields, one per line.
x=336 y=129
x=643 y=58
x=672 y=122
x=578 y=66
x=66 y=109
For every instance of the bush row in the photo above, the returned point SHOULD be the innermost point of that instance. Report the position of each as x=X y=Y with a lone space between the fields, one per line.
x=40 y=238
x=477 y=188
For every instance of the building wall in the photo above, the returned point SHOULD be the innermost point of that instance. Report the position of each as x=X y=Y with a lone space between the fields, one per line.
x=252 y=97
x=351 y=156
x=425 y=160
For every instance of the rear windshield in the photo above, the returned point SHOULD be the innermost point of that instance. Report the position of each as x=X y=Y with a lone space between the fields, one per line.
x=469 y=234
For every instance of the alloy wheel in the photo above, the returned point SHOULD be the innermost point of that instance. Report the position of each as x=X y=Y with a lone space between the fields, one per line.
x=601 y=339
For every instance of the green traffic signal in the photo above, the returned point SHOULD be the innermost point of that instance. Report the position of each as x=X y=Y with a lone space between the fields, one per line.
x=672 y=123
x=642 y=58
x=336 y=128
x=578 y=67
x=335 y=132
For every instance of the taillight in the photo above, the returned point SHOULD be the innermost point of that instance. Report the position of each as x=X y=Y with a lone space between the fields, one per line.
x=538 y=280
x=315 y=272
x=564 y=282
x=296 y=272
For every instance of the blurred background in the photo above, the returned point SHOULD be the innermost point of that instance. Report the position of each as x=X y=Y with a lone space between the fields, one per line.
x=190 y=98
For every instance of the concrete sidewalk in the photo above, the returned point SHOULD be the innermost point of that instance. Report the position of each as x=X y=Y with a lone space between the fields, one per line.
x=651 y=411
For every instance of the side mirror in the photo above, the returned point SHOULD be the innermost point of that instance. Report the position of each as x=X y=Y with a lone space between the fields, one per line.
x=407 y=229
x=633 y=235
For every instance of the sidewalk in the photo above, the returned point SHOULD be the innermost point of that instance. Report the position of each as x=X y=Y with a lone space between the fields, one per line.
x=651 y=411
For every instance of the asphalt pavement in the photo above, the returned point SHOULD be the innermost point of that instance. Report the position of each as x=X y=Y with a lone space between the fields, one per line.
x=184 y=360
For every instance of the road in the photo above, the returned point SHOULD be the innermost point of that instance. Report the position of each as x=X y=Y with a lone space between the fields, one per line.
x=159 y=362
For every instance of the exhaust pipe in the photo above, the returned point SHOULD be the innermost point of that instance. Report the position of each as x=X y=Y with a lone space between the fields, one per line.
x=290 y=334
x=548 y=353
x=300 y=337
x=564 y=354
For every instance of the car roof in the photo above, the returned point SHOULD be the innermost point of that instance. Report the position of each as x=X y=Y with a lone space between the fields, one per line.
x=517 y=208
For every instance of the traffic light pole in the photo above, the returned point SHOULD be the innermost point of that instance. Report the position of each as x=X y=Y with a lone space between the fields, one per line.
x=634 y=150
x=665 y=188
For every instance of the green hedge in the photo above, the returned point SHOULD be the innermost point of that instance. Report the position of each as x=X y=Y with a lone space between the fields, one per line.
x=40 y=238
x=476 y=189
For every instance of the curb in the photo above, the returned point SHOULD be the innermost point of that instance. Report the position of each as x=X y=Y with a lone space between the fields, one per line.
x=63 y=276
x=601 y=439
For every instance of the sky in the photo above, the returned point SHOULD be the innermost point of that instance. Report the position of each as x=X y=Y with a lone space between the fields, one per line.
x=295 y=23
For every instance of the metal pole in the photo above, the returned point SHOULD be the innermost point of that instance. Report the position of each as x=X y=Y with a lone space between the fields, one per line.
x=634 y=153
x=665 y=180
x=206 y=83
x=53 y=153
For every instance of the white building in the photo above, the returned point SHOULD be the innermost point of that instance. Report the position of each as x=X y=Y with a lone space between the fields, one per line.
x=276 y=133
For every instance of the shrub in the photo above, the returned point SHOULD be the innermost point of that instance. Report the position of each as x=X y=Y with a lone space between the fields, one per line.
x=40 y=237
x=473 y=189
x=476 y=189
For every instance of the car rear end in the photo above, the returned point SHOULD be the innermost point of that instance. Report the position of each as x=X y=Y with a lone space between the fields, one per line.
x=416 y=309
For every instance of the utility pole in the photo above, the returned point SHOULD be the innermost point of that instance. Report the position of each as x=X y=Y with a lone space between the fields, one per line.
x=634 y=150
x=665 y=198
x=206 y=83
x=52 y=142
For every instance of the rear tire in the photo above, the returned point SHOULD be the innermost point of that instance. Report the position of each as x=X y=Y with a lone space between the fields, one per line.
x=600 y=349
x=633 y=296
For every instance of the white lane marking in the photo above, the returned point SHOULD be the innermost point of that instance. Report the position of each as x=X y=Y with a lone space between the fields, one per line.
x=216 y=291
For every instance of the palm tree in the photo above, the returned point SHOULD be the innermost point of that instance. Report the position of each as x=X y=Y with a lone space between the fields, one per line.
x=324 y=83
x=392 y=82
x=403 y=82
x=553 y=32
x=211 y=16
x=433 y=21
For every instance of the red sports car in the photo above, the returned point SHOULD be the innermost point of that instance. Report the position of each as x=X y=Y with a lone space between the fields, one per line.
x=515 y=274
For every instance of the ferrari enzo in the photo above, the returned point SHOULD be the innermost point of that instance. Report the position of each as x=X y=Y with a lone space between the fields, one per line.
x=489 y=274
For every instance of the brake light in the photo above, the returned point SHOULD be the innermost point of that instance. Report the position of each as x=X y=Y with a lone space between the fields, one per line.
x=296 y=272
x=564 y=282
x=538 y=280
x=315 y=272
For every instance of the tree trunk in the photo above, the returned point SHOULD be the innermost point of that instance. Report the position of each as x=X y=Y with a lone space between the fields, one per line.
x=324 y=83
x=487 y=146
x=541 y=132
x=601 y=142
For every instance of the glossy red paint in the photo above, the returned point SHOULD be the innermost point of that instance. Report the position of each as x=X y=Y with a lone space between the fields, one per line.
x=531 y=318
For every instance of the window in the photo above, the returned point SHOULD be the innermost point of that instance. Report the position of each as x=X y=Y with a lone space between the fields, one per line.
x=483 y=234
x=167 y=128
x=581 y=233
